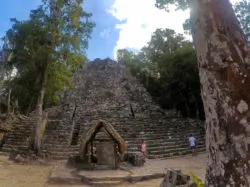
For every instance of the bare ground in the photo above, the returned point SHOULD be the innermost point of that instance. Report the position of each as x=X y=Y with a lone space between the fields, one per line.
x=16 y=175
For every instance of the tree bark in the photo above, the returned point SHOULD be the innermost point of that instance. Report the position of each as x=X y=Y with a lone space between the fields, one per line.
x=225 y=84
x=37 y=136
x=8 y=101
x=39 y=113
x=28 y=111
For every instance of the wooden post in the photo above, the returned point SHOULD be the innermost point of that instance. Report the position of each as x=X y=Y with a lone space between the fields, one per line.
x=116 y=160
x=92 y=150
x=89 y=155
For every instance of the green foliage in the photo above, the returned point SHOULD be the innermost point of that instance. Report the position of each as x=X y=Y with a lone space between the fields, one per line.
x=242 y=10
x=196 y=180
x=47 y=49
x=164 y=41
x=167 y=67
x=180 y=4
x=187 y=26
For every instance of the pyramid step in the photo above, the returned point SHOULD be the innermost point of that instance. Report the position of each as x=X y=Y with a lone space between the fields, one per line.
x=60 y=145
x=165 y=147
x=60 y=157
x=67 y=149
x=169 y=151
x=66 y=154
x=169 y=155
x=157 y=139
x=9 y=149
x=155 y=142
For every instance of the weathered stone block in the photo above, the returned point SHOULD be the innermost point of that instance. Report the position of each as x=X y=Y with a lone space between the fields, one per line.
x=134 y=158
x=19 y=159
x=176 y=178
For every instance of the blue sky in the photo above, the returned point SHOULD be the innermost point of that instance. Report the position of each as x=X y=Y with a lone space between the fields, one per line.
x=119 y=23
x=104 y=35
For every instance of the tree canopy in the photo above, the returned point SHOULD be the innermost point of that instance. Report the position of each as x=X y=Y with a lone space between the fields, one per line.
x=168 y=69
x=46 y=49
x=34 y=55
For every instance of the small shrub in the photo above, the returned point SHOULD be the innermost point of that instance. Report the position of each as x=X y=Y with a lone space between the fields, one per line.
x=196 y=180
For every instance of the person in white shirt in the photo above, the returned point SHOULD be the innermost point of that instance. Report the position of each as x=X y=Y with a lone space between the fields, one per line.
x=192 y=143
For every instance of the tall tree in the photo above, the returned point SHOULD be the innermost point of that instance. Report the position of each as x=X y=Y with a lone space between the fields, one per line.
x=179 y=82
x=223 y=60
x=167 y=67
x=50 y=46
x=5 y=75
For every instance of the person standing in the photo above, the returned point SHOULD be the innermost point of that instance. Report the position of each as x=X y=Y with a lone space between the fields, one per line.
x=143 y=149
x=192 y=143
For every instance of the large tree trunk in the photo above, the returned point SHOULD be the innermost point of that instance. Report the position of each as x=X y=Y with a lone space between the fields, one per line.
x=38 y=133
x=39 y=113
x=8 y=101
x=31 y=102
x=225 y=79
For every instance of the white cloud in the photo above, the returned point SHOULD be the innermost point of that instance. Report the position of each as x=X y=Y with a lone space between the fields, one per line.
x=105 y=33
x=235 y=1
x=140 y=18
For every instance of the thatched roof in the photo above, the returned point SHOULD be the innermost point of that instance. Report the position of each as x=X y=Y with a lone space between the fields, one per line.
x=94 y=129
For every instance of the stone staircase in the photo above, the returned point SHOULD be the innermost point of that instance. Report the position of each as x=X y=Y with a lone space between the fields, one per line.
x=56 y=141
x=18 y=138
x=165 y=138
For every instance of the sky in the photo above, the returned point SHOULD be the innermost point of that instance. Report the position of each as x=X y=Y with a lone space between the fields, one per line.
x=119 y=23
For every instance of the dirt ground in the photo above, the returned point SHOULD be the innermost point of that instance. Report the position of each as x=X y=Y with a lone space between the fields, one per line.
x=15 y=175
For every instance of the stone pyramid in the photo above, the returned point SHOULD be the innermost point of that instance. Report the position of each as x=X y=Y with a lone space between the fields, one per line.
x=105 y=90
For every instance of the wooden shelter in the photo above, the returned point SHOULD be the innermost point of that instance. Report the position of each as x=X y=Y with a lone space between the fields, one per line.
x=104 y=148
